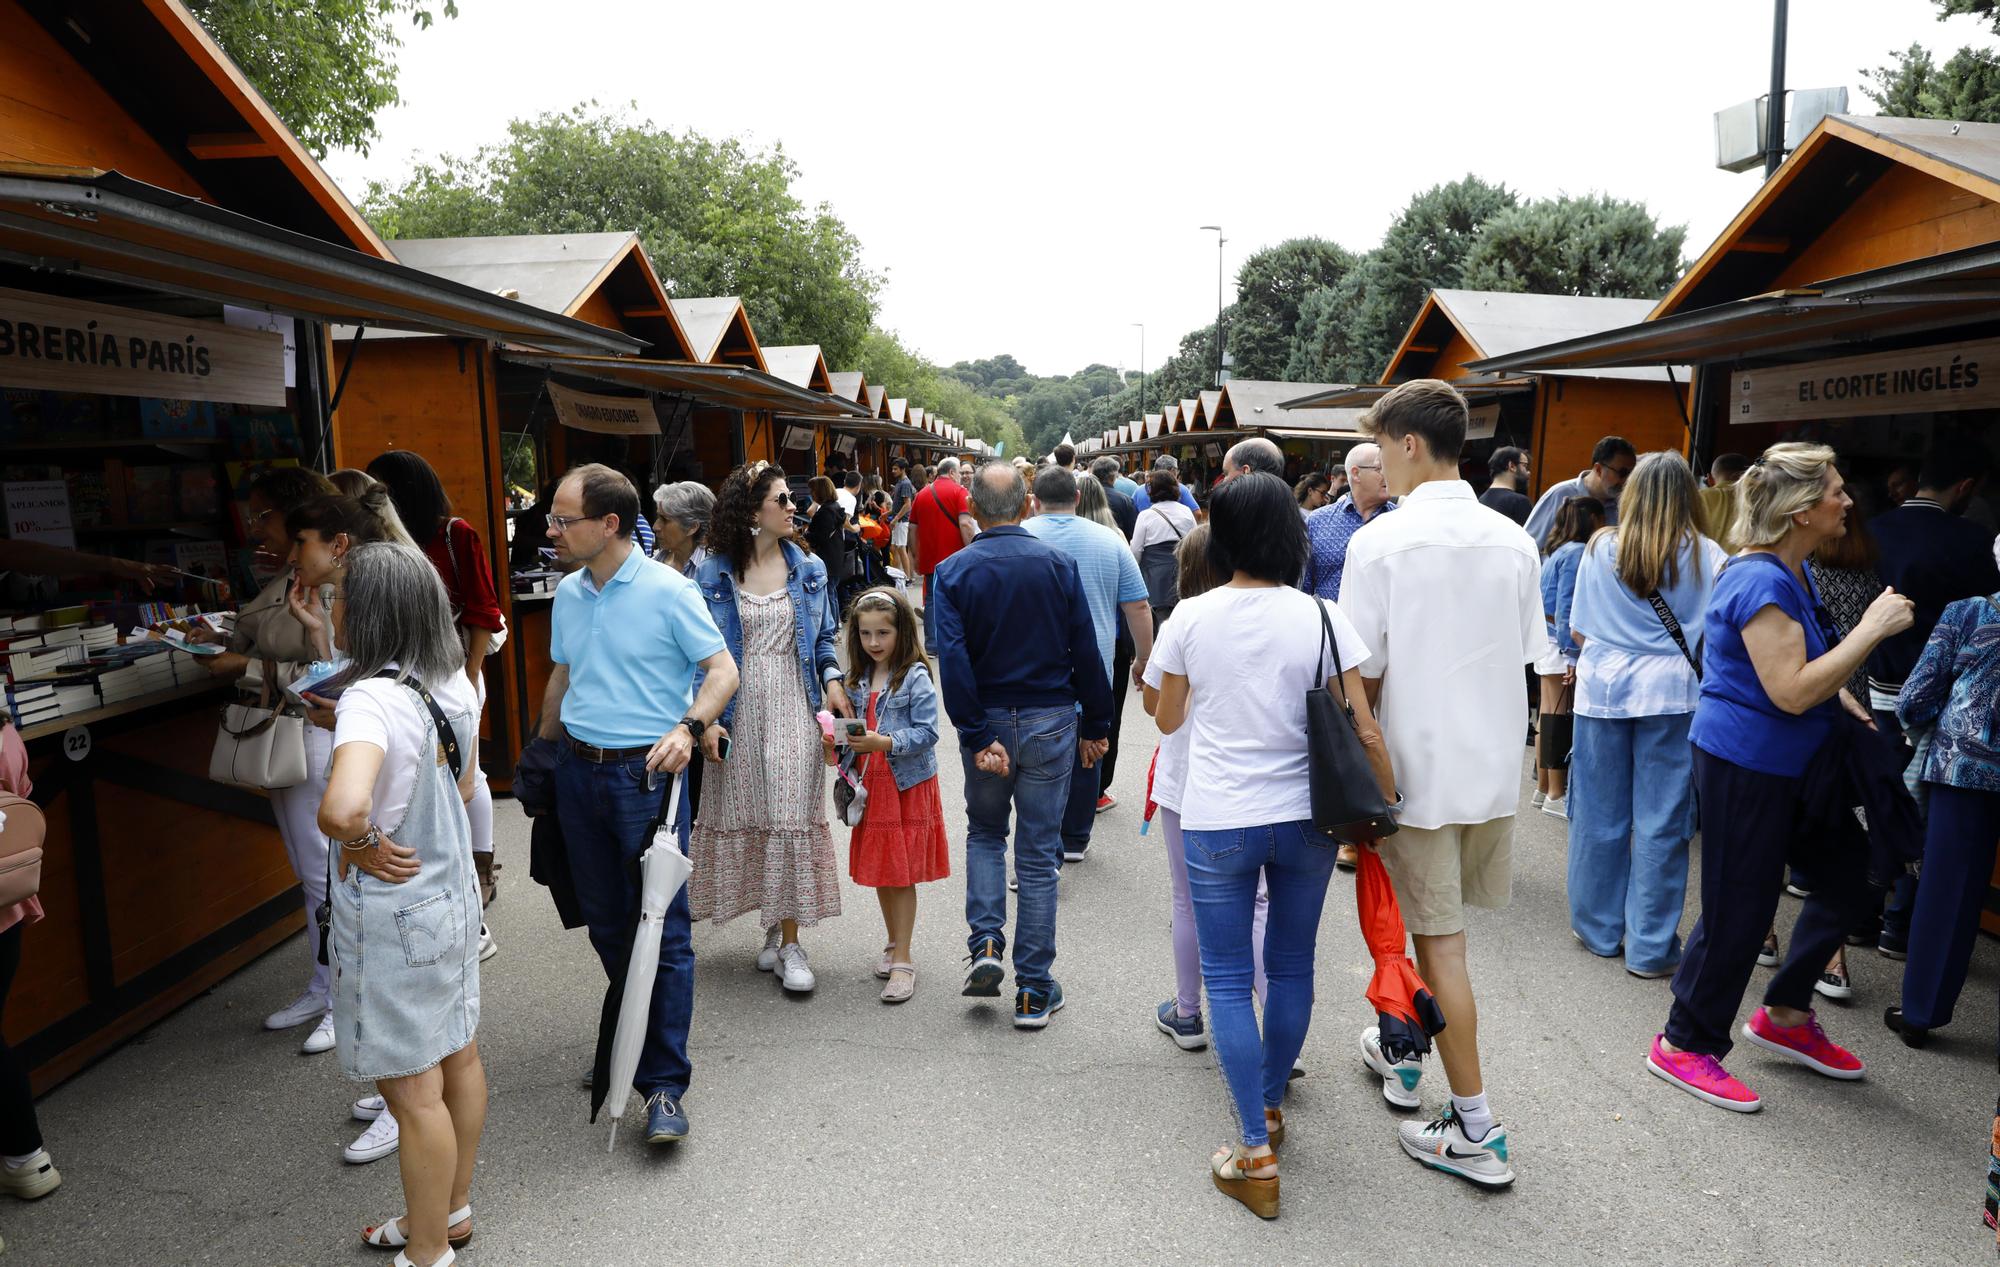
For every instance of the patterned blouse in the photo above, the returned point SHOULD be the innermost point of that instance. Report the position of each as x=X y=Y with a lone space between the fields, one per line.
x=1846 y=593
x=1956 y=684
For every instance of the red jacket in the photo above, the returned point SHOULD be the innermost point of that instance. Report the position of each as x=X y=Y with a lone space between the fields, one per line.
x=460 y=559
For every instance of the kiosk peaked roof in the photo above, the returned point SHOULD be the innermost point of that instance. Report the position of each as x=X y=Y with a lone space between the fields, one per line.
x=719 y=330
x=799 y=364
x=154 y=62
x=1835 y=173
x=851 y=385
x=1496 y=323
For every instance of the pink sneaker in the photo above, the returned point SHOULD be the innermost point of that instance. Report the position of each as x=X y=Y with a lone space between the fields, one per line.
x=1702 y=1077
x=1807 y=1044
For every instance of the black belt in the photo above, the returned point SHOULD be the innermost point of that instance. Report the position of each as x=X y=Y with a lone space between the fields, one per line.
x=600 y=756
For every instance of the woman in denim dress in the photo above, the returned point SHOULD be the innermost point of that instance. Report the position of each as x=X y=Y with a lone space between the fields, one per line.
x=404 y=900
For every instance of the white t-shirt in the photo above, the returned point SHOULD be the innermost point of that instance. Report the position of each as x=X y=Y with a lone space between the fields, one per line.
x=1170 y=766
x=1449 y=594
x=1250 y=656
x=388 y=715
x=847 y=502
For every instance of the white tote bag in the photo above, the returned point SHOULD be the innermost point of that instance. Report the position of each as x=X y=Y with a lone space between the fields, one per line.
x=260 y=745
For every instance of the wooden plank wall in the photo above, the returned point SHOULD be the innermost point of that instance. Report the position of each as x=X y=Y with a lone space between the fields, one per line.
x=51 y=112
x=1906 y=215
x=1573 y=414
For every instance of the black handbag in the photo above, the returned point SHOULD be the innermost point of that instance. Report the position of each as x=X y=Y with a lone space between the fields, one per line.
x=1555 y=734
x=1347 y=804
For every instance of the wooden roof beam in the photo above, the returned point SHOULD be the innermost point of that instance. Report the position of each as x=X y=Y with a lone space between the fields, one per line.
x=1762 y=245
x=217 y=145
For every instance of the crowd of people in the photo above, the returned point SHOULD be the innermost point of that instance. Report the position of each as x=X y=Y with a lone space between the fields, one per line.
x=1751 y=656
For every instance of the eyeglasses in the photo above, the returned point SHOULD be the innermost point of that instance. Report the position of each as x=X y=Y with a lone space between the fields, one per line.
x=1622 y=472
x=561 y=523
x=1352 y=469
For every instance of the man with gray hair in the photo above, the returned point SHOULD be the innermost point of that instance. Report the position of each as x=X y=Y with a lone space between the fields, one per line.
x=1123 y=512
x=1144 y=497
x=1017 y=658
x=1254 y=454
x=1112 y=586
x=1118 y=479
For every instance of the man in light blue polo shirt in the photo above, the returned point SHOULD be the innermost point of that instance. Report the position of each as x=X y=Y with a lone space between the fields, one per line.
x=626 y=634
x=1111 y=583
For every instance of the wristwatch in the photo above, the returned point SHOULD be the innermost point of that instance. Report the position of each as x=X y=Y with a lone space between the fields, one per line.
x=695 y=726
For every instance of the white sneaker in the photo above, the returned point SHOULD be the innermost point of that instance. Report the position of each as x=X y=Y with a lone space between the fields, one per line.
x=321 y=1038
x=381 y=1138
x=487 y=946
x=1556 y=806
x=798 y=977
x=307 y=1007
x=369 y=1107
x=1537 y=799
x=1399 y=1077
x=767 y=958
x=33 y=1179
x=1442 y=1145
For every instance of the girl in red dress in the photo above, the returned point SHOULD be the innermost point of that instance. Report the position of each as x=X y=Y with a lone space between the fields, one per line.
x=900 y=842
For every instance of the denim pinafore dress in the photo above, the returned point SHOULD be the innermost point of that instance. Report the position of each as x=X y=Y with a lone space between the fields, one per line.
x=406 y=956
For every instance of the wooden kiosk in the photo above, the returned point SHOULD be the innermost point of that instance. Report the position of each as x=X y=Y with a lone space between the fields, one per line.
x=216 y=233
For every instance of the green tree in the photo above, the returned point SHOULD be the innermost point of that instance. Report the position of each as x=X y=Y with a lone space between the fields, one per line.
x=1967 y=87
x=1593 y=245
x=716 y=217
x=327 y=67
x=1269 y=288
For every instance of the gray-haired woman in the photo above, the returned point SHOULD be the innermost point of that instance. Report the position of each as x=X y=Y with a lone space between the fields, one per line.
x=405 y=759
x=682 y=530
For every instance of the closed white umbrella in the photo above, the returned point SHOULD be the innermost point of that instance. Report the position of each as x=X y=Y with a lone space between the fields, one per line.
x=663 y=869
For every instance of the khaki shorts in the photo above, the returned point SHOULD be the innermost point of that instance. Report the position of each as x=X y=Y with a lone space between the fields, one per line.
x=1439 y=871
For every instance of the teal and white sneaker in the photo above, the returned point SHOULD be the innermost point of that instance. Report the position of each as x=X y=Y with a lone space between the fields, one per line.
x=1399 y=1078
x=1442 y=1145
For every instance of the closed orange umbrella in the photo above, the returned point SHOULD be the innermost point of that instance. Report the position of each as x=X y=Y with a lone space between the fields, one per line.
x=1409 y=1015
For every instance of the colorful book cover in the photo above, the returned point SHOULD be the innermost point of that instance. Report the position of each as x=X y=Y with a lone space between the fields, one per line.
x=23 y=413
x=89 y=499
x=78 y=416
x=177 y=419
x=152 y=494
x=203 y=558
x=263 y=435
x=197 y=494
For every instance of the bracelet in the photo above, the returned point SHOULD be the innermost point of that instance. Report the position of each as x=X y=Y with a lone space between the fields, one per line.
x=369 y=840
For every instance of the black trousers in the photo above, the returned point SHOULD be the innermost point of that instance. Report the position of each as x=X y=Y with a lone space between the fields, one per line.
x=1121 y=677
x=20 y=1133
x=1749 y=832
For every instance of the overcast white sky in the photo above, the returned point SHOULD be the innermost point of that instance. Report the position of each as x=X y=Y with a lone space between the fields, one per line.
x=1030 y=178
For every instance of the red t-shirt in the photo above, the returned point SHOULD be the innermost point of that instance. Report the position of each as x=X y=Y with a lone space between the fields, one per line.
x=938 y=507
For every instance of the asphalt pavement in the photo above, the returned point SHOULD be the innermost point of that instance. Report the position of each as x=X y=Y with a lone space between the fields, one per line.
x=835 y=1129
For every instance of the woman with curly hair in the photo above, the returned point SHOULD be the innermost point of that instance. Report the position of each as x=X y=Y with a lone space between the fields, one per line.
x=761 y=841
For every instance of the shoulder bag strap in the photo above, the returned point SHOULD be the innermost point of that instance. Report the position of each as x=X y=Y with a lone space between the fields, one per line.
x=1178 y=534
x=447 y=737
x=1326 y=640
x=1666 y=615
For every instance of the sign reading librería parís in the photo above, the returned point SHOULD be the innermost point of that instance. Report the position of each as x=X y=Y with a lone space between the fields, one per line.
x=607 y=415
x=1914 y=380
x=71 y=346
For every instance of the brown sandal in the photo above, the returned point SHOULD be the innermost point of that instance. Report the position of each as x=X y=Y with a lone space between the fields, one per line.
x=1274 y=1125
x=1229 y=1169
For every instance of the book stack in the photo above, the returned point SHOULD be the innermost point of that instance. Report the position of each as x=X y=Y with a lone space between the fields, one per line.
x=31 y=705
x=36 y=660
x=540 y=582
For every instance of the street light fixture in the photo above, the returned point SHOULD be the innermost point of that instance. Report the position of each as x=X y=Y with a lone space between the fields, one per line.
x=1140 y=326
x=1219 y=240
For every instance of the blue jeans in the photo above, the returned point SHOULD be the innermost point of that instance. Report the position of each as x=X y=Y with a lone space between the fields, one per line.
x=1223 y=866
x=1631 y=815
x=1080 y=811
x=605 y=810
x=1041 y=748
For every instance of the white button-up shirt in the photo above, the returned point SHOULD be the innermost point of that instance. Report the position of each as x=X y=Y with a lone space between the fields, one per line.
x=1448 y=593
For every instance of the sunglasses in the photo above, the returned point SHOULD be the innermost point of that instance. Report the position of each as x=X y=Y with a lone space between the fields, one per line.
x=784 y=498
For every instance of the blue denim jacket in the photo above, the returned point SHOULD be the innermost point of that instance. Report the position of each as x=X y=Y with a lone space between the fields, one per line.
x=908 y=715
x=814 y=619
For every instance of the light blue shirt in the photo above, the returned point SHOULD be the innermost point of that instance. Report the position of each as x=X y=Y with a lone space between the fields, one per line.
x=1543 y=516
x=1144 y=498
x=1631 y=666
x=1104 y=564
x=1328 y=530
x=1125 y=486
x=631 y=649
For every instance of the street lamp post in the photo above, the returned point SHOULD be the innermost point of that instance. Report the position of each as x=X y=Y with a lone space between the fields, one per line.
x=1141 y=327
x=1219 y=239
